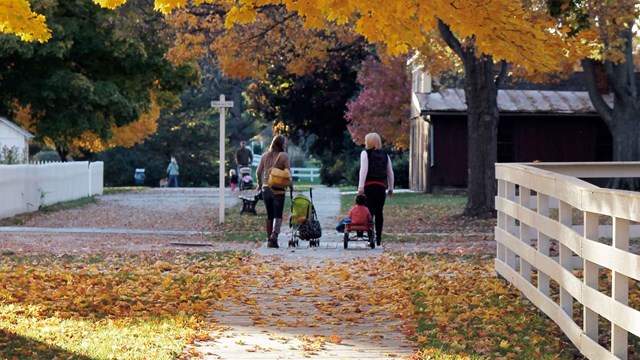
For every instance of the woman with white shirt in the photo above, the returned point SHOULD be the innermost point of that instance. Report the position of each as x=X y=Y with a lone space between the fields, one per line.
x=376 y=179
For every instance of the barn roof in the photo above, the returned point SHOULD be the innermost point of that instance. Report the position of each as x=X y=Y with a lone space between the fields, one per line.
x=17 y=128
x=513 y=101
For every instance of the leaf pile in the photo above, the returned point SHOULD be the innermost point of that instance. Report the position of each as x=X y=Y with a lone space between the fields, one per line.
x=114 y=306
x=464 y=310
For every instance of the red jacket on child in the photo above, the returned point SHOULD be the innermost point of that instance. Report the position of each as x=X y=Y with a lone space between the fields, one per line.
x=360 y=214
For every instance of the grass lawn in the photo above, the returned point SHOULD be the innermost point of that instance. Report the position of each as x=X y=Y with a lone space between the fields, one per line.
x=420 y=217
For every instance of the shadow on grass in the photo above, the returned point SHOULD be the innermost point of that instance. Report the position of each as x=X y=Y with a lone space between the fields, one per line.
x=13 y=346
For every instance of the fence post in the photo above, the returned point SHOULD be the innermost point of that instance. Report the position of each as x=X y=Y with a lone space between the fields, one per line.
x=590 y=317
x=566 y=300
x=543 y=243
x=502 y=221
x=620 y=288
x=512 y=228
x=525 y=234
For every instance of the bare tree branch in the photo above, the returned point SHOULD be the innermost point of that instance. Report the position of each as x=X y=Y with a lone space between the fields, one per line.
x=451 y=40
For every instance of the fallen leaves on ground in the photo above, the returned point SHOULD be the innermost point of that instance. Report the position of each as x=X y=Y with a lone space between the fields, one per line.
x=109 y=306
x=151 y=306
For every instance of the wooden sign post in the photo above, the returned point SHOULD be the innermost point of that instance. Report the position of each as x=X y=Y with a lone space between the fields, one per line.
x=221 y=106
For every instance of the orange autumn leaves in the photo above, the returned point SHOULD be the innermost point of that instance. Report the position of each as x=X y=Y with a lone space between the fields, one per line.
x=463 y=309
x=115 y=286
x=434 y=301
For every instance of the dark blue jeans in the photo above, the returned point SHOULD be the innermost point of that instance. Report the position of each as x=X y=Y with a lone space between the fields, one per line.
x=172 y=179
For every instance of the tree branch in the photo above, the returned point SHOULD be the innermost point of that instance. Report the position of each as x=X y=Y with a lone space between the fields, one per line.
x=269 y=28
x=605 y=111
x=502 y=74
x=615 y=81
x=451 y=40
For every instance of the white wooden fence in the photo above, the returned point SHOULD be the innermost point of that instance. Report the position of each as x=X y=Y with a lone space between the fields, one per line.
x=308 y=173
x=538 y=203
x=24 y=188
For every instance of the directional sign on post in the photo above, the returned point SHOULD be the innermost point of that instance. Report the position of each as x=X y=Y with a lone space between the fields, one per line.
x=221 y=106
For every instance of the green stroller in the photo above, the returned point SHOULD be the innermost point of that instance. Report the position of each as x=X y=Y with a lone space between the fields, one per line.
x=304 y=222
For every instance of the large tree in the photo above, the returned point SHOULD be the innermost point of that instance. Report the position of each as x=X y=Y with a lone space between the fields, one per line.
x=610 y=68
x=97 y=72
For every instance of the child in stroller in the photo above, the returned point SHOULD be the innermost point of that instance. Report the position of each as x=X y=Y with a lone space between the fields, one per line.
x=246 y=182
x=360 y=221
x=304 y=220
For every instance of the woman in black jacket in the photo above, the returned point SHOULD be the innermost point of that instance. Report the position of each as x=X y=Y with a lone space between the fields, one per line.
x=376 y=179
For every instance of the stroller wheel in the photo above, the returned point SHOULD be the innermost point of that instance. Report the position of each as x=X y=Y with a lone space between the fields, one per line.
x=346 y=240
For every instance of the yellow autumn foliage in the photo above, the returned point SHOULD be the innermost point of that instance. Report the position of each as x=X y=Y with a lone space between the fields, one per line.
x=17 y=18
x=501 y=28
x=124 y=136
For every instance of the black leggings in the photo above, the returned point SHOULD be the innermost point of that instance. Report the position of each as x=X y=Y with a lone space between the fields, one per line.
x=376 y=195
x=273 y=203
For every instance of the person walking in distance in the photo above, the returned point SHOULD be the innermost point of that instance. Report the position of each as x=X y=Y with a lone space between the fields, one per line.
x=244 y=156
x=273 y=197
x=375 y=180
x=173 y=170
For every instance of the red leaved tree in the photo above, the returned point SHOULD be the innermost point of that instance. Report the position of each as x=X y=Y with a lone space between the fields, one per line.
x=383 y=104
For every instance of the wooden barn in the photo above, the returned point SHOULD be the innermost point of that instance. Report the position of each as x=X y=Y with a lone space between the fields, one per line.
x=535 y=125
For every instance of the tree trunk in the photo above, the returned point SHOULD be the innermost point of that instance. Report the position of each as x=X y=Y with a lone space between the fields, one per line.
x=623 y=118
x=624 y=132
x=481 y=94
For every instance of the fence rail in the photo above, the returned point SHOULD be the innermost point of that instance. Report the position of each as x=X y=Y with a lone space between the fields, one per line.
x=308 y=173
x=540 y=204
x=26 y=187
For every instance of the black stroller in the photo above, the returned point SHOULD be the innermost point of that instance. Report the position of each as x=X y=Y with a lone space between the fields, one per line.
x=246 y=181
x=304 y=222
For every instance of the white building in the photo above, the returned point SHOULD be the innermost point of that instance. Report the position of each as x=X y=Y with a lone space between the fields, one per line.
x=14 y=142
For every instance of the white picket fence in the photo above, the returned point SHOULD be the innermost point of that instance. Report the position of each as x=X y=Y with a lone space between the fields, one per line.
x=26 y=187
x=305 y=173
x=538 y=203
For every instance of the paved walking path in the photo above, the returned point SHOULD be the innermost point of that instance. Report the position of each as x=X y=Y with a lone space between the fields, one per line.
x=292 y=318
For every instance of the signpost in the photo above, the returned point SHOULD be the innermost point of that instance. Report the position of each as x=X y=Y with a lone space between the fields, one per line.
x=221 y=106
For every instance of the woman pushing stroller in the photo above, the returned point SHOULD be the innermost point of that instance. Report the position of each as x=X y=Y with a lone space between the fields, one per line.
x=273 y=197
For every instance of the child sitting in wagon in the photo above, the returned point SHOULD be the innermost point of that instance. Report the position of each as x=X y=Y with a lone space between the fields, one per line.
x=359 y=215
